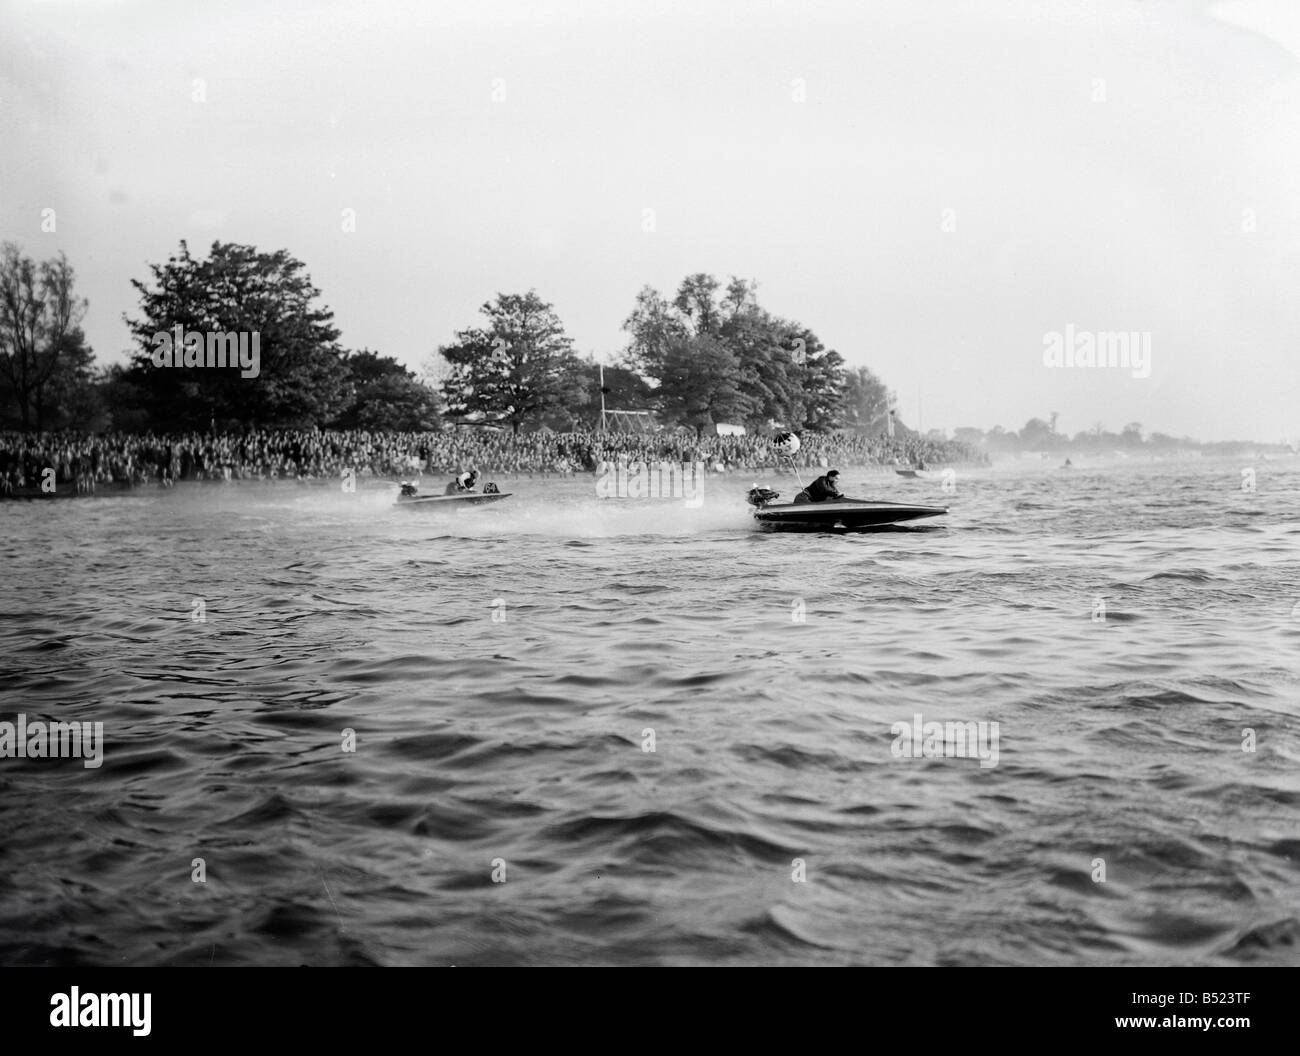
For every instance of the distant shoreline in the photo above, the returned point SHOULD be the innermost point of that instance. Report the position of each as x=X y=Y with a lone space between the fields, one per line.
x=427 y=480
x=120 y=488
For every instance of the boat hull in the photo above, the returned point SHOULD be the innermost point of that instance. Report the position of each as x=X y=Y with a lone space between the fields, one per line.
x=450 y=502
x=846 y=514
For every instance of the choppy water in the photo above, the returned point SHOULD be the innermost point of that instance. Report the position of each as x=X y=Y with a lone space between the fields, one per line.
x=501 y=670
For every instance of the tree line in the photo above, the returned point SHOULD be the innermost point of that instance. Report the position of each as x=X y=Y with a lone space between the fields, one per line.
x=709 y=355
x=1041 y=435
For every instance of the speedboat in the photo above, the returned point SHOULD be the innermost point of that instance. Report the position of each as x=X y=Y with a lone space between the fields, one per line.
x=832 y=515
x=408 y=497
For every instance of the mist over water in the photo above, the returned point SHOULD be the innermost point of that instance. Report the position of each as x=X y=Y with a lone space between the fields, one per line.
x=501 y=668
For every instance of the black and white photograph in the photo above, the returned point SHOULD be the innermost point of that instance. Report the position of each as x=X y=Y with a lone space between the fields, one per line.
x=650 y=483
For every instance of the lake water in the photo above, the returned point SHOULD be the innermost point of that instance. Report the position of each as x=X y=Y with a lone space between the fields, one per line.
x=1132 y=629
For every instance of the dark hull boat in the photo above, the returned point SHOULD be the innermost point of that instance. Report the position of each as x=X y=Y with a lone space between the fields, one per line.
x=448 y=503
x=844 y=514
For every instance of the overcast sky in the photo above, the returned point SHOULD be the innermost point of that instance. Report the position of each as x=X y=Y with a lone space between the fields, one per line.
x=931 y=187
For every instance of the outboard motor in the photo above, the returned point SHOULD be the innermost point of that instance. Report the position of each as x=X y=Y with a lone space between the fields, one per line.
x=760 y=497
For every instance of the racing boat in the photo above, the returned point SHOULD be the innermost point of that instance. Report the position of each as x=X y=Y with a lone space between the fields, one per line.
x=408 y=497
x=833 y=515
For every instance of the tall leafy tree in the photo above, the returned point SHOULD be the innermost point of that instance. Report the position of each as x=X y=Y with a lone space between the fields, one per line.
x=301 y=379
x=866 y=401
x=794 y=378
x=1036 y=433
x=702 y=384
x=770 y=363
x=781 y=368
x=822 y=384
x=518 y=368
x=127 y=402
x=697 y=301
x=653 y=326
x=72 y=398
x=383 y=395
x=45 y=365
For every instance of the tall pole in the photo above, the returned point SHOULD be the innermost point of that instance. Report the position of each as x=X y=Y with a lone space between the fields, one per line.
x=602 y=397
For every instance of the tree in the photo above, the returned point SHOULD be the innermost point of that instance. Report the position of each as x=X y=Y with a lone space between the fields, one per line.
x=653 y=325
x=74 y=398
x=1132 y=434
x=821 y=382
x=1036 y=434
x=128 y=403
x=774 y=356
x=301 y=377
x=999 y=439
x=45 y=365
x=696 y=300
x=383 y=394
x=866 y=401
x=518 y=368
x=785 y=373
x=702 y=384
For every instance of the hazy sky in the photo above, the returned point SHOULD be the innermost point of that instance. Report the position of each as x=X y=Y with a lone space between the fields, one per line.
x=931 y=187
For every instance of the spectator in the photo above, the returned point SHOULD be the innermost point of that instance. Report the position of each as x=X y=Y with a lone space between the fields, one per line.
x=303 y=455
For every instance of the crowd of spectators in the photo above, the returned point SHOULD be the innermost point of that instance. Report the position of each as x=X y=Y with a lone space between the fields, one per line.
x=127 y=459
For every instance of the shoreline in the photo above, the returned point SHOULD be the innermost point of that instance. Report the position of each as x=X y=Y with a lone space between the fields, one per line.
x=119 y=488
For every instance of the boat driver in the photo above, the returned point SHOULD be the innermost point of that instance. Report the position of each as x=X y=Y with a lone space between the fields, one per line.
x=464 y=482
x=823 y=489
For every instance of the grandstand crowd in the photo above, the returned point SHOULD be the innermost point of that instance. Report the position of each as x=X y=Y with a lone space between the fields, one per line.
x=85 y=461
